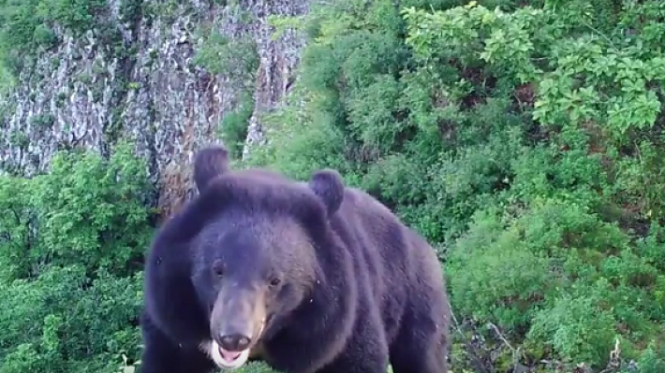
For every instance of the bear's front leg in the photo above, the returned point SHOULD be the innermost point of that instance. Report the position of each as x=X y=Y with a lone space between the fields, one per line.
x=161 y=355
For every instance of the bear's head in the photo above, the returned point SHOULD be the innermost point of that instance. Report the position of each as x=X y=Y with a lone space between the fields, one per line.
x=257 y=250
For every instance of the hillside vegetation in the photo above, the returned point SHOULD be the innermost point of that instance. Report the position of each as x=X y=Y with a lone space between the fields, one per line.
x=524 y=139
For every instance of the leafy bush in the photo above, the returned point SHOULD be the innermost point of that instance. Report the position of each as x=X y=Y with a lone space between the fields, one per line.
x=71 y=256
x=234 y=125
x=28 y=26
x=523 y=141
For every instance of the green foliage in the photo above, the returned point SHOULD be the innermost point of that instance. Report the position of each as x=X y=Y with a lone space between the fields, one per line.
x=28 y=27
x=6 y=83
x=236 y=58
x=233 y=128
x=71 y=250
x=525 y=141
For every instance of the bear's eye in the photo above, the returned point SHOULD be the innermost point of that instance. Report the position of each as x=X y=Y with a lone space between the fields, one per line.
x=275 y=281
x=218 y=268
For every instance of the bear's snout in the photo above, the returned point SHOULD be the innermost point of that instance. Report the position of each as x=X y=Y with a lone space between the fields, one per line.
x=237 y=318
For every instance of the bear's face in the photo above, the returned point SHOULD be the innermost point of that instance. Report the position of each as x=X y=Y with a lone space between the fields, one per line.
x=253 y=269
x=255 y=236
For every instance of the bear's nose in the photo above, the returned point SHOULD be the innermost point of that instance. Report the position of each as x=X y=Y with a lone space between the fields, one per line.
x=234 y=342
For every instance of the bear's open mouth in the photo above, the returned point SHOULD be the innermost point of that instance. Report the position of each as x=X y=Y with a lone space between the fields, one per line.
x=229 y=356
x=230 y=359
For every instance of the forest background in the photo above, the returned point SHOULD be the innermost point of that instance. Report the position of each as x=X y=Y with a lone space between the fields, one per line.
x=525 y=140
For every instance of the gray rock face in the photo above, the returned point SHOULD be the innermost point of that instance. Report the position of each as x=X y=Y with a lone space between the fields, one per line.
x=143 y=84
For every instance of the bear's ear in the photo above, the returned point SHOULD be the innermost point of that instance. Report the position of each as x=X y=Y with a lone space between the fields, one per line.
x=328 y=185
x=209 y=163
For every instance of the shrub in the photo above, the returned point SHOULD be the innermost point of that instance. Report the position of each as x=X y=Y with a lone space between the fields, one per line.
x=71 y=253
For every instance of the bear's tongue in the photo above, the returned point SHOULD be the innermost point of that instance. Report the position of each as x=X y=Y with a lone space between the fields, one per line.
x=229 y=355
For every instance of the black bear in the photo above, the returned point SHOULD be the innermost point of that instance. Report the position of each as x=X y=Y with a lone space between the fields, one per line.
x=309 y=277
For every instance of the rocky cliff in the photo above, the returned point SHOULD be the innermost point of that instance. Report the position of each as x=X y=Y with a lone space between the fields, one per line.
x=136 y=74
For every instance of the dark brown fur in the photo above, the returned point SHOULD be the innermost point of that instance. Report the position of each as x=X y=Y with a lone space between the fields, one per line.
x=358 y=288
x=210 y=162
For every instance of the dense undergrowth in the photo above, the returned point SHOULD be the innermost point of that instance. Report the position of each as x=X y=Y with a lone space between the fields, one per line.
x=525 y=142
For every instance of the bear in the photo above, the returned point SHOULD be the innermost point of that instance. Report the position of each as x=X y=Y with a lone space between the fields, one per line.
x=309 y=277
